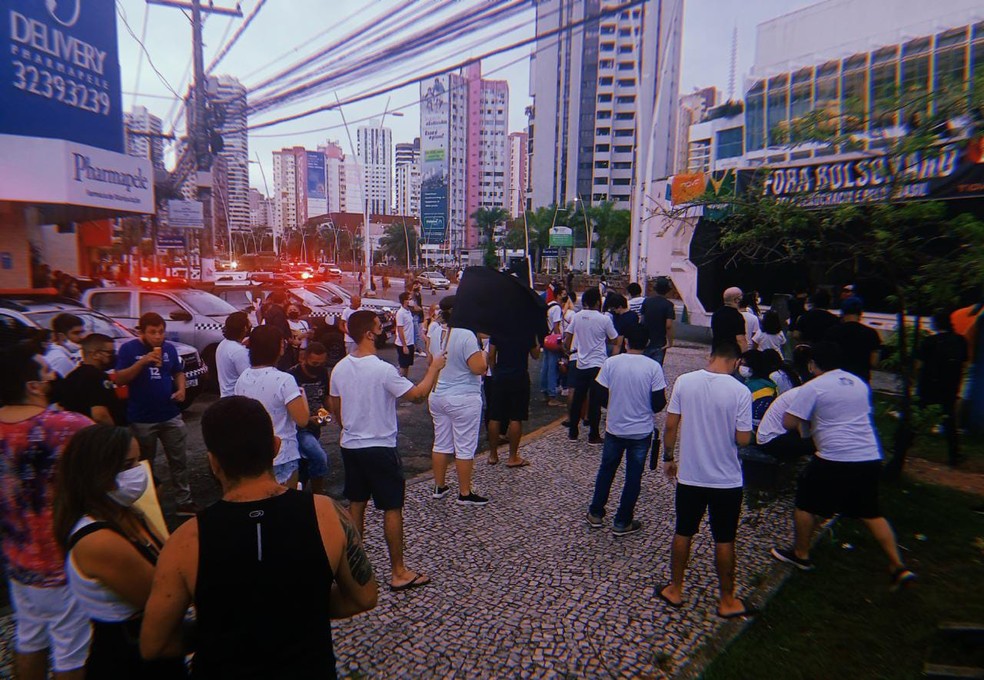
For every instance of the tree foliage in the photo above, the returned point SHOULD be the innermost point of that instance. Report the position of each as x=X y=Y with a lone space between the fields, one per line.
x=393 y=243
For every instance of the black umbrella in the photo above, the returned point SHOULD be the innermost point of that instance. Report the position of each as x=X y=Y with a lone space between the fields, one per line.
x=499 y=304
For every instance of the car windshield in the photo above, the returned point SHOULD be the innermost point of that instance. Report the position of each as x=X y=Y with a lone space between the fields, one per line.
x=309 y=298
x=333 y=290
x=434 y=275
x=205 y=303
x=94 y=323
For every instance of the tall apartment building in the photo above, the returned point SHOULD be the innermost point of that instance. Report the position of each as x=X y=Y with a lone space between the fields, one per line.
x=464 y=124
x=260 y=209
x=594 y=88
x=693 y=108
x=406 y=179
x=288 y=199
x=517 y=177
x=139 y=129
x=226 y=95
x=374 y=150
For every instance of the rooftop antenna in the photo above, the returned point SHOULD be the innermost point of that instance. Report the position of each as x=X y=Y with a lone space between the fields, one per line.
x=732 y=76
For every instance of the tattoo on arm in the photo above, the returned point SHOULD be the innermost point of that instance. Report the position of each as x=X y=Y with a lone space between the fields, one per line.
x=356 y=557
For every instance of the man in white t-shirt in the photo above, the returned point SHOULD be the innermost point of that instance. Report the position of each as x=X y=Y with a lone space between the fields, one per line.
x=65 y=353
x=231 y=356
x=634 y=388
x=842 y=478
x=773 y=437
x=712 y=414
x=405 y=338
x=280 y=396
x=362 y=396
x=589 y=334
x=633 y=292
x=355 y=304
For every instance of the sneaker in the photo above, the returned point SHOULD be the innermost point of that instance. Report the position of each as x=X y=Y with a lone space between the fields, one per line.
x=189 y=509
x=565 y=423
x=789 y=557
x=901 y=578
x=630 y=528
x=593 y=521
x=595 y=439
x=440 y=491
x=472 y=499
x=572 y=434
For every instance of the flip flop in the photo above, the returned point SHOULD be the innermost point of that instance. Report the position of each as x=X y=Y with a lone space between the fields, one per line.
x=521 y=463
x=415 y=582
x=664 y=598
x=493 y=461
x=747 y=611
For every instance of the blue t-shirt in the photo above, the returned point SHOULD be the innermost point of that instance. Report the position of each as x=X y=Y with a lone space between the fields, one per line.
x=150 y=392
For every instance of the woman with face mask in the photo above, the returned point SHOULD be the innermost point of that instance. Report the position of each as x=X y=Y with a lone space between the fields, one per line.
x=110 y=549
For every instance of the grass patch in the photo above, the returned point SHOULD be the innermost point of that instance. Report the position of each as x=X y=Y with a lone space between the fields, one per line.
x=840 y=621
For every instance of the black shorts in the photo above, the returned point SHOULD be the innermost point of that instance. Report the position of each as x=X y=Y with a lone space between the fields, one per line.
x=376 y=471
x=827 y=488
x=509 y=400
x=723 y=506
x=405 y=359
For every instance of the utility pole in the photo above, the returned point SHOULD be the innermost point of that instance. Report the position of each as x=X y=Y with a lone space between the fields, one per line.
x=198 y=129
x=154 y=221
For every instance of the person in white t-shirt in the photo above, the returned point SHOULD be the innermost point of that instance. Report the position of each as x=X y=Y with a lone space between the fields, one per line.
x=362 y=396
x=550 y=364
x=589 y=334
x=231 y=356
x=300 y=330
x=634 y=388
x=842 y=478
x=712 y=414
x=65 y=353
x=280 y=396
x=747 y=307
x=355 y=304
x=405 y=338
x=633 y=292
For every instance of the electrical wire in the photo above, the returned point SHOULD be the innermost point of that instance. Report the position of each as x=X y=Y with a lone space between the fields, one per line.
x=228 y=46
x=122 y=14
x=143 y=37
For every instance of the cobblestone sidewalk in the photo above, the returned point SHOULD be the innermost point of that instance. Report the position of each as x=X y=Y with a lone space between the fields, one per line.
x=523 y=588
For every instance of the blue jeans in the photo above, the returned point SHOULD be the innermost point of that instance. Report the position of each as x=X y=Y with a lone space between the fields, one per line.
x=312 y=453
x=657 y=354
x=550 y=373
x=635 y=451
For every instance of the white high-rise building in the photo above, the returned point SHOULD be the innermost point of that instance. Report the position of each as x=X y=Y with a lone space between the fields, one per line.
x=142 y=130
x=228 y=98
x=260 y=209
x=407 y=179
x=375 y=153
x=517 y=178
x=286 y=197
x=351 y=178
x=594 y=88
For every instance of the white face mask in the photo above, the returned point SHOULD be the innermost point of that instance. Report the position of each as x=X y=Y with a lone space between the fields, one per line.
x=130 y=485
x=744 y=371
x=72 y=347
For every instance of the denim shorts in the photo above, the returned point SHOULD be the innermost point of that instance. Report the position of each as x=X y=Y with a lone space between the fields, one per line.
x=312 y=453
x=283 y=471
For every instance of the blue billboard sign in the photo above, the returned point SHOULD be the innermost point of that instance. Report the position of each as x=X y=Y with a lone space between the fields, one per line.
x=433 y=212
x=60 y=71
x=316 y=175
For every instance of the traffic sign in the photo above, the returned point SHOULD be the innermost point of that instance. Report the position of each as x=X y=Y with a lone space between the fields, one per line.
x=562 y=237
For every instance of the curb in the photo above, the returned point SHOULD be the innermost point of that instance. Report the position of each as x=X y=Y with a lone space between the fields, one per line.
x=776 y=577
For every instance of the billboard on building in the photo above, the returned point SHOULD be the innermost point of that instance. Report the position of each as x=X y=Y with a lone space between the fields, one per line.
x=316 y=184
x=435 y=119
x=60 y=71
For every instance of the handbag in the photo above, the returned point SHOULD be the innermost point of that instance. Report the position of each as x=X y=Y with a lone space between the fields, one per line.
x=552 y=343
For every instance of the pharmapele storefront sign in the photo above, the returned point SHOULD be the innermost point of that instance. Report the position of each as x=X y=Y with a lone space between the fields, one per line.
x=60 y=71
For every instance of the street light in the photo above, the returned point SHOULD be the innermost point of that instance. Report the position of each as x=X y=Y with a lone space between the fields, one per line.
x=587 y=230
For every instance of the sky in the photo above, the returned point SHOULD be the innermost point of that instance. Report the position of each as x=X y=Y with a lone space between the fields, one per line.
x=277 y=37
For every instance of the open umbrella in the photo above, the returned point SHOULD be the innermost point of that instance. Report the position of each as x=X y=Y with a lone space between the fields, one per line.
x=499 y=304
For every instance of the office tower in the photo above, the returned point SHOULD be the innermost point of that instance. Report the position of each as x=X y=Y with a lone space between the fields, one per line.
x=375 y=154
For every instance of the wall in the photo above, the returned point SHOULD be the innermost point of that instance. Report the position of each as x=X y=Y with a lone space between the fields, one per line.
x=15 y=252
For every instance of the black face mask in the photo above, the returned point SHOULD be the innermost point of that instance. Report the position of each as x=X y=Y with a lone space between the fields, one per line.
x=293 y=315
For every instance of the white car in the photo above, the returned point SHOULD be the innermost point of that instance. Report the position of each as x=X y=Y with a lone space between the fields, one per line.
x=434 y=281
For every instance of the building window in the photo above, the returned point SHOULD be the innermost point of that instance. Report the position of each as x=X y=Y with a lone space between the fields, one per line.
x=915 y=77
x=601 y=164
x=854 y=93
x=699 y=156
x=884 y=87
x=801 y=100
x=950 y=64
x=755 y=117
x=730 y=143
x=777 y=117
x=599 y=197
x=601 y=148
x=604 y=115
x=606 y=63
x=626 y=82
x=624 y=133
x=621 y=181
x=623 y=149
x=605 y=98
x=608 y=29
x=626 y=66
x=607 y=47
x=605 y=80
x=603 y=132
x=622 y=165
x=625 y=99
x=625 y=116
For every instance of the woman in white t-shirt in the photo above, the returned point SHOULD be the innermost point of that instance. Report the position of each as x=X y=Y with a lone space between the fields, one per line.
x=769 y=335
x=456 y=406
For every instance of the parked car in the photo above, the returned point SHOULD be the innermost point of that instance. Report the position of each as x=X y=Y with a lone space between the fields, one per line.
x=193 y=316
x=434 y=281
x=386 y=309
x=37 y=311
x=329 y=272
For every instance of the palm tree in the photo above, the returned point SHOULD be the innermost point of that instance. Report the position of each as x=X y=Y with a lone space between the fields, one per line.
x=487 y=220
x=613 y=227
x=393 y=243
x=539 y=222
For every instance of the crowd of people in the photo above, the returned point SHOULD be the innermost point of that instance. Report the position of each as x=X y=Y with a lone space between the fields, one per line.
x=104 y=589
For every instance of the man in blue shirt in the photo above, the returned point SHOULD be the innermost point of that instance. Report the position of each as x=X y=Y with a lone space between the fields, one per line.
x=153 y=370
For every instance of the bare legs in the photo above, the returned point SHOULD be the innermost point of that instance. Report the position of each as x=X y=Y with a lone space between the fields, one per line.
x=724 y=561
x=514 y=433
x=805 y=524
x=393 y=533
x=441 y=461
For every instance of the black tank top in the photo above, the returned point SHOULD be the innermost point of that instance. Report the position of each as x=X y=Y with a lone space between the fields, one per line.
x=262 y=594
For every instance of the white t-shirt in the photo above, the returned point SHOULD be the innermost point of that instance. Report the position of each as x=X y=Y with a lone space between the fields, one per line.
x=712 y=407
x=635 y=304
x=61 y=360
x=751 y=324
x=782 y=381
x=763 y=341
x=299 y=328
x=231 y=359
x=591 y=329
x=838 y=406
x=435 y=335
x=404 y=320
x=346 y=313
x=771 y=425
x=555 y=315
x=274 y=389
x=631 y=379
x=369 y=389
x=456 y=378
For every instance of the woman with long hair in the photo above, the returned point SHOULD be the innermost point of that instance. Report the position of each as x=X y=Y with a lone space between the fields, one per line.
x=110 y=549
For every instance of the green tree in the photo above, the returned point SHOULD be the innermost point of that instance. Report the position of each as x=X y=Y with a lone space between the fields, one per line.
x=487 y=219
x=393 y=243
x=613 y=227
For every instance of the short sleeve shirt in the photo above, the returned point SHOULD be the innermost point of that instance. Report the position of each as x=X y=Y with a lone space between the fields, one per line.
x=727 y=324
x=231 y=359
x=857 y=343
x=456 y=378
x=404 y=319
x=61 y=360
x=656 y=311
x=274 y=389
x=150 y=392
x=368 y=388
x=555 y=315
x=346 y=313
x=511 y=359
x=591 y=329
x=86 y=387
x=315 y=389
x=29 y=453
x=838 y=406
x=631 y=380
x=771 y=425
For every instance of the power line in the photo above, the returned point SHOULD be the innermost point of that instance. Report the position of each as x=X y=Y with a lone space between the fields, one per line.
x=143 y=37
x=122 y=14
x=242 y=29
